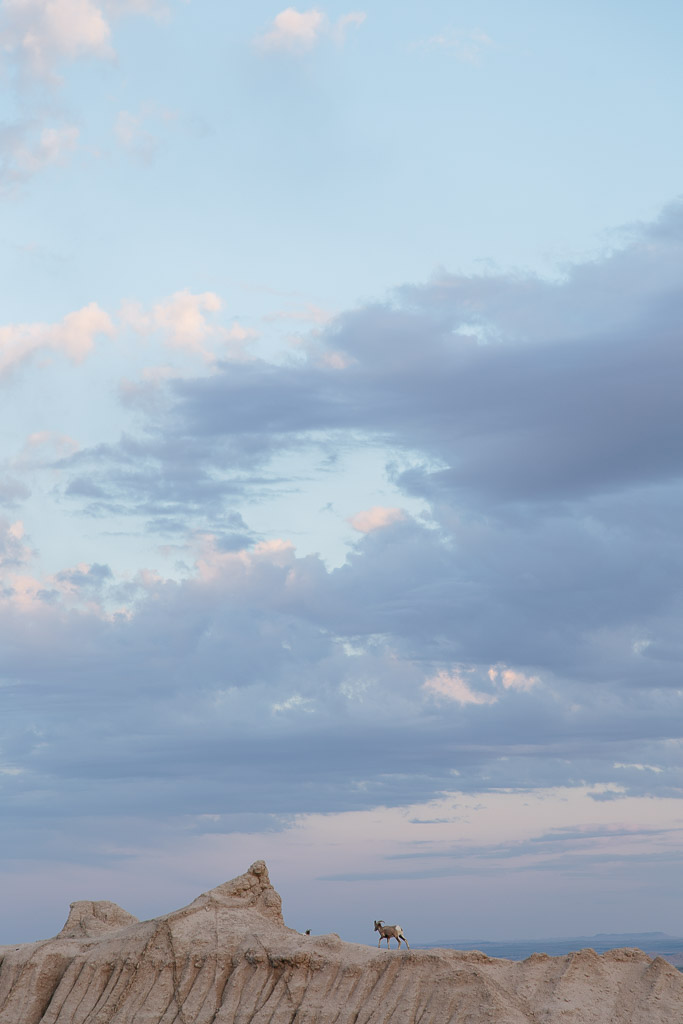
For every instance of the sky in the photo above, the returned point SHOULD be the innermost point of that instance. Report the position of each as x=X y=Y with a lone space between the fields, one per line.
x=341 y=461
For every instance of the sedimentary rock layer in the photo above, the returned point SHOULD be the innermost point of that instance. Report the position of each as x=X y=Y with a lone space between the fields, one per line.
x=228 y=958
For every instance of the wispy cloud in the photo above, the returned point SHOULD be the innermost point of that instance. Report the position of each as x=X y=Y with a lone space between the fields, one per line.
x=296 y=31
x=26 y=149
x=14 y=551
x=73 y=337
x=452 y=686
x=186 y=322
x=376 y=518
x=341 y=27
x=132 y=131
x=150 y=7
x=512 y=679
x=40 y=34
x=466 y=46
x=40 y=38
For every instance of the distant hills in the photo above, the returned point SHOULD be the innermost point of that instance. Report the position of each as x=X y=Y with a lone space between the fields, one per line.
x=654 y=944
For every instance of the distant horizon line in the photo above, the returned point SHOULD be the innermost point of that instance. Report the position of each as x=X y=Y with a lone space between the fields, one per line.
x=604 y=936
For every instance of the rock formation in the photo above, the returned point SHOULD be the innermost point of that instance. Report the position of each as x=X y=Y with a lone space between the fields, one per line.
x=228 y=958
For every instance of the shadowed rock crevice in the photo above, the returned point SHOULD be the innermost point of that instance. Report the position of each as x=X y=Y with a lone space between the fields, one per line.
x=229 y=958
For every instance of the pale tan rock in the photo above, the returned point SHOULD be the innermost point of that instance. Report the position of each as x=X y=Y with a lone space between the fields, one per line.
x=95 y=917
x=228 y=958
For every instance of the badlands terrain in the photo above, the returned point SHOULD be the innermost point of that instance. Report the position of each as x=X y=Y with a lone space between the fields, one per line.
x=229 y=957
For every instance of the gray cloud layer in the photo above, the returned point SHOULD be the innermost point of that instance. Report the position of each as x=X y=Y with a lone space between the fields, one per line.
x=542 y=423
x=521 y=389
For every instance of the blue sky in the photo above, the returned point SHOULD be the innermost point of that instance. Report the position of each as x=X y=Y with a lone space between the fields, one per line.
x=340 y=479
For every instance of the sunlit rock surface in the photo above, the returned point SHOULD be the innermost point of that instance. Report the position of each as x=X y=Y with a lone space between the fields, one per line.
x=228 y=957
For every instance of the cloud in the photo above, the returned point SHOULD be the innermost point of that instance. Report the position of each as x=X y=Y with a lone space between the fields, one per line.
x=134 y=138
x=38 y=38
x=74 y=337
x=511 y=679
x=26 y=149
x=545 y=443
x=133 y=135
x=342 y=25
x=236 y=336
x=265 y=684
x=150 y=7
x=376 y=518
x=294 y=30
x=182 y=319
x=41 y=33
x=294 y=703
x=42 y=448
x=508 y=389
x=493 y=645
x=14 y=552
x=453 y=687
x=13 y=491
x=298 y=31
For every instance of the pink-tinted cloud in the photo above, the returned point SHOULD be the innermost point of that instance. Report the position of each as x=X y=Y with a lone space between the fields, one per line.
x=299 y=31
x=41 y=33
x=74 y=337
x=43 y=448
x=185 y=319
x=235 y=566
x=512 y=679
x=181 y=317
x=452 y=686
x=294 y=30
x=376 y=518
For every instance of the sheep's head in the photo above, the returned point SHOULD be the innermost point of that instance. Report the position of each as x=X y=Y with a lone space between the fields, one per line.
x=378 y=925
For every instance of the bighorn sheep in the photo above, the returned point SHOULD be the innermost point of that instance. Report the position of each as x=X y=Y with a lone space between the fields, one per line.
x=390 y=931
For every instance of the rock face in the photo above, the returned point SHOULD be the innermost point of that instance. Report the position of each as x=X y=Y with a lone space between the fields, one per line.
x=228 y=958
x=94 y=917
